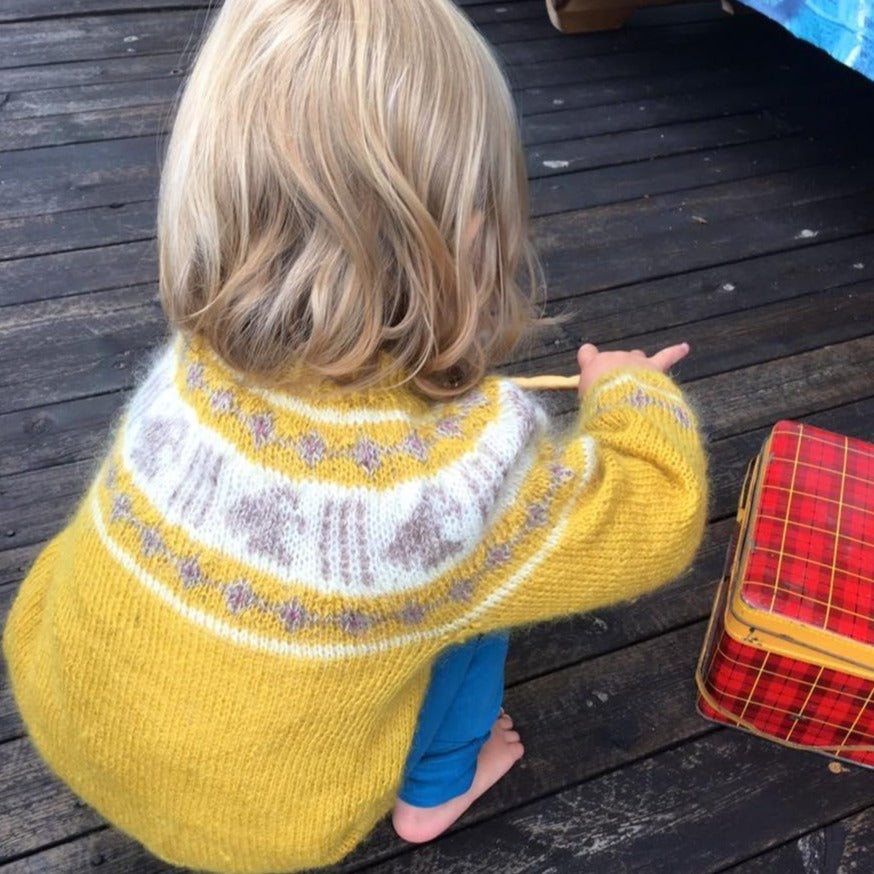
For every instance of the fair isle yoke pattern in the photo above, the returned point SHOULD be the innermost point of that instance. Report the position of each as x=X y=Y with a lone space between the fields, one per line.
x=225 y=650
x=357 y=563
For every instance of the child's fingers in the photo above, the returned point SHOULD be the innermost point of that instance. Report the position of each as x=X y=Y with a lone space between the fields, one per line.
x=585 y=354
x=666 y=358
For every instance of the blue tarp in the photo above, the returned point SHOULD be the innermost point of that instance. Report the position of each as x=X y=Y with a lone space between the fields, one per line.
x=844 y=28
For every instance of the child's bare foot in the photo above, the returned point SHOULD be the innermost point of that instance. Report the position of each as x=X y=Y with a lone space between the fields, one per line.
x=498 y=754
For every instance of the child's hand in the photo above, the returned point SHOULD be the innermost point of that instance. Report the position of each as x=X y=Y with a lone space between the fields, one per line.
x=595 y=364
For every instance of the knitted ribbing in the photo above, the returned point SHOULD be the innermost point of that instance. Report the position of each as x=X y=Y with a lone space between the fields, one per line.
x=226 y=649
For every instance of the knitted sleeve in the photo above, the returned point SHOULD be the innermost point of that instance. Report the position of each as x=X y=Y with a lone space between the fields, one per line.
x=614 y=509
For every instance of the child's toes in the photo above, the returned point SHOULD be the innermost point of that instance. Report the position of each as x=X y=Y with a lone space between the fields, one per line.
x=505 y=720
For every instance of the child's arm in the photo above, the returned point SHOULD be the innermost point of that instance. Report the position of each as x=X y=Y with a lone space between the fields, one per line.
x=617 y=509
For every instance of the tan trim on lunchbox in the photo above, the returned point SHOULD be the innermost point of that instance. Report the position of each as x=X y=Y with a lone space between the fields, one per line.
x=786 y=638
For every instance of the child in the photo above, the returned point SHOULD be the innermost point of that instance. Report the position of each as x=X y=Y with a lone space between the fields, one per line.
x=280 y=612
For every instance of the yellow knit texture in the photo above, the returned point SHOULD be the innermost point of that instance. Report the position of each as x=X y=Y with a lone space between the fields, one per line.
x=241 y=698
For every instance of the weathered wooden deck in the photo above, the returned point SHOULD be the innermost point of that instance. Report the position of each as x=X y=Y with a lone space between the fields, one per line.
x=695 y=176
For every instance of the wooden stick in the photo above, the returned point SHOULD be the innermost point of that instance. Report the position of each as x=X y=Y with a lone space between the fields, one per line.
x=547 y=382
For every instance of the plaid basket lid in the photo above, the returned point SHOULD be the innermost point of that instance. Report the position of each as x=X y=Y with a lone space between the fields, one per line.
x=806 y=572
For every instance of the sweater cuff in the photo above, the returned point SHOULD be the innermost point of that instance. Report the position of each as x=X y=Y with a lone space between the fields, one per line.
x=638 y=390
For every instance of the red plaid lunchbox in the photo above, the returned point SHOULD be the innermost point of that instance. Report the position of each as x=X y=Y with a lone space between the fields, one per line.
x=789 y=652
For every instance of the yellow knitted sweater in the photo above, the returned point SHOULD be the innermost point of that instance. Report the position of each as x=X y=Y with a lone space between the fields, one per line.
x=226 y=649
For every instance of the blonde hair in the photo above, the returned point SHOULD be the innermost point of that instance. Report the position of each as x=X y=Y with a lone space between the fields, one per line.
x=345 y=186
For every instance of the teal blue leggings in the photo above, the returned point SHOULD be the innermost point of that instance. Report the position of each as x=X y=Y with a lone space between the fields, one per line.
x=461 y=705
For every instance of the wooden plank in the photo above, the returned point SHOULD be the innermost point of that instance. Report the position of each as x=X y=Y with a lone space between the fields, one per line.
x=714 y=290
x=89 y=98
x=60 y=320
x=594 y=233
x=583 y=16
x=98 y=343
x=817 y=320
x=77 y=229
x=737 y=338
x=700 y=245
x=706 y=797
x=555 y=46
x=730 y=99
x=757 y=395
x=11 y=725
x=82 y=127
x=528 y=24
x=573 y=94
x=52 y=498
x=673 y=13
x=587 y=188
x=89 y=72
x=645 y=144
x=16 y=10
x=699 y=294
x=716 y=47
x=838 y=848
x=96 y=37
x=15 y=561
x=54 y=434
x=64 y=178
x=746 y=337
x=102 y=848
x=40 y=810
x=687 y=10
x=25 y=280
x=491 y=11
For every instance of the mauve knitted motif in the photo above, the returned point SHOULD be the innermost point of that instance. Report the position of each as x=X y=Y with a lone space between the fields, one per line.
x=226 y=649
